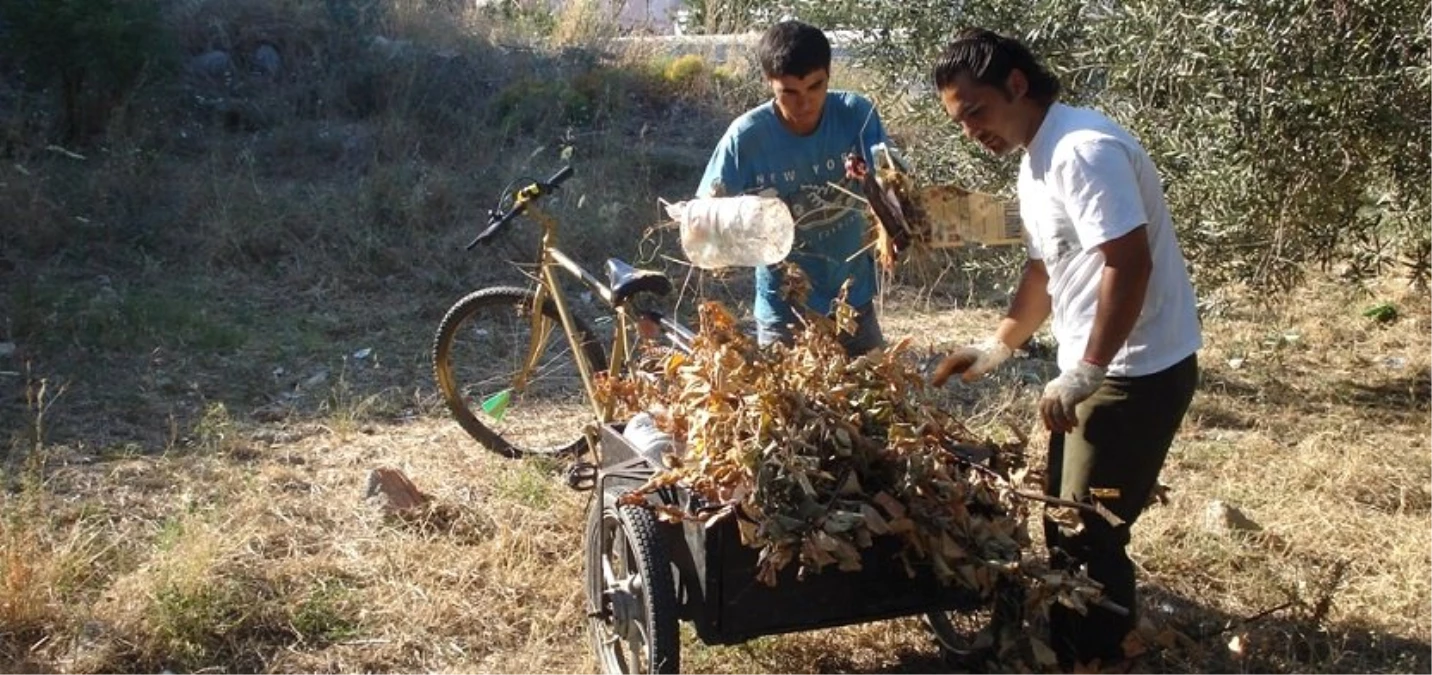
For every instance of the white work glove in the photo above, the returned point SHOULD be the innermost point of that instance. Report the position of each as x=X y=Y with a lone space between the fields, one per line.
x=972 y=362
x=1064 y=393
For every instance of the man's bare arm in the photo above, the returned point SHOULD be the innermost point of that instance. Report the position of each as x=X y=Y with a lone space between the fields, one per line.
x=1030 y=307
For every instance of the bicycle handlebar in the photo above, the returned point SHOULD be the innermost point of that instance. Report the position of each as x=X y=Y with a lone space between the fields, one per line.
x=496 y=220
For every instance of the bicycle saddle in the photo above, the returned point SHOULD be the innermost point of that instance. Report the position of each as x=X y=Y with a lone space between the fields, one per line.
x=627 y=281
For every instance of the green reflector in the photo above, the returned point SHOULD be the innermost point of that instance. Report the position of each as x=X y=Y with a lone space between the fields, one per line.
x=496 y=404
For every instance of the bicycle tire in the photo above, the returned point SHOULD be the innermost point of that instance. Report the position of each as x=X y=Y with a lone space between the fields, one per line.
x=647 y=585
x=511 y=303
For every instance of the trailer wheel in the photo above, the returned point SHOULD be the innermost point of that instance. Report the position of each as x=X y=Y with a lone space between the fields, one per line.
x=973 y=636
x=631 y=592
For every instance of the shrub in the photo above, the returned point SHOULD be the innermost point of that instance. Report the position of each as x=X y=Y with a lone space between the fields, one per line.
x=530 y=104
x=91 y=53
x=527 y=17
x=683 y=71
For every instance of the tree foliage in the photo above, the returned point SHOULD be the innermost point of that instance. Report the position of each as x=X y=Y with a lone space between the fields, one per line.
x=91 y=53
x=1289 y=133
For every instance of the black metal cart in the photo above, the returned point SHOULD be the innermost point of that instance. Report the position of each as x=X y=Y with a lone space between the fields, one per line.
x=643 y=576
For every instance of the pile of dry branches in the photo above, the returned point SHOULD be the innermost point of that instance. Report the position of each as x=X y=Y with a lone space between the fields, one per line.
x=821 y=452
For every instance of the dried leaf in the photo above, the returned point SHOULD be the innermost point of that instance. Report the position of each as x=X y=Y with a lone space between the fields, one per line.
x=902 y=525
x=1065 y=516
x=1113 y=519
x=873 y=520
x=1043 y=655
x=841 y=521
x=892 y=507
x=949 y=548
x=1133 y=644
x=748 y=531
x=850 y=486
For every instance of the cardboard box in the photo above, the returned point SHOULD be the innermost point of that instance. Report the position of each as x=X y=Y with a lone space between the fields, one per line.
x=944 y=216
x=955 y=217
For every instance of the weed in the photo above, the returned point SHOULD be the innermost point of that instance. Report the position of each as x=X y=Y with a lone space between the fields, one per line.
x=583 y=23
x=170 y=534
x=528 y=485
x=323 y=615
x=215 y=431
x=45 y=563
x=186 y=620
x=1383 y=312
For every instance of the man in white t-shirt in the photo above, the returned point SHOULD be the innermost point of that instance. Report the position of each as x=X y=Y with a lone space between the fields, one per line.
x=1105 y=266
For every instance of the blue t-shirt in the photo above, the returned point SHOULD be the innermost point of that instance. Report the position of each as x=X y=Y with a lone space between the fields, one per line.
x=758 y=154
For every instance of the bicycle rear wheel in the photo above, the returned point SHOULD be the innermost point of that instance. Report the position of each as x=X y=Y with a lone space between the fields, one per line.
x=480 y=347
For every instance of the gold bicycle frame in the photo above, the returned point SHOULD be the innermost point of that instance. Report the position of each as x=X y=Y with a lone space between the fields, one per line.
x=549 y=259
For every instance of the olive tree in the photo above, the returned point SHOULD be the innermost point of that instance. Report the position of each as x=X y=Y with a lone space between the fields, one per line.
x=1289 y=133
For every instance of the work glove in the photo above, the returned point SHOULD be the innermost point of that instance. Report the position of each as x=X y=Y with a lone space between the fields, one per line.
x=1064 y=393
x=972 y=362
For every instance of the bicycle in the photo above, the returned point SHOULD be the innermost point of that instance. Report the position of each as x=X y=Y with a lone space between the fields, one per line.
x=544 y=375
x=492 y=328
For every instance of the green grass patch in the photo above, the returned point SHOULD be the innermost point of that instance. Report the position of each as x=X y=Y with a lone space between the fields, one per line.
x=192 y=623
x=96 y=315
x=323 y=616
x=527 y=483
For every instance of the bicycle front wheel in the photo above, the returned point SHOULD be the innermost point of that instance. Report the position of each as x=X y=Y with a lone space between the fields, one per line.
x=482 y=345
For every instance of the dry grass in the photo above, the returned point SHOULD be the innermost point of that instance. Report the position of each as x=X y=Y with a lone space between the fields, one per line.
x=254 y=549
x=1312 y=419
x=189 y=492
x=276 y=562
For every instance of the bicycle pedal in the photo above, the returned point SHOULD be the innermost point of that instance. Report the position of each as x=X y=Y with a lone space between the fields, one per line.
x=582 y=476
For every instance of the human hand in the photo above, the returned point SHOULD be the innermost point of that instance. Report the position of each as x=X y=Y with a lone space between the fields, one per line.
x=1064 y=393
x=972 y=362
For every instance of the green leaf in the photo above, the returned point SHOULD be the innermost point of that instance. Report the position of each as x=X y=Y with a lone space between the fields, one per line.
x=1384 y=312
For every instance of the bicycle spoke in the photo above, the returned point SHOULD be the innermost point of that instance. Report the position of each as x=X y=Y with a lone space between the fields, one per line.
x=530 y=382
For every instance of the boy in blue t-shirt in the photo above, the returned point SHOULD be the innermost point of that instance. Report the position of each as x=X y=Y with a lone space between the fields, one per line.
x=795 y=146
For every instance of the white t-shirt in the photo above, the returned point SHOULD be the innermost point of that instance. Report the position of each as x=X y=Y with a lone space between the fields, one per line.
x=1084 y=181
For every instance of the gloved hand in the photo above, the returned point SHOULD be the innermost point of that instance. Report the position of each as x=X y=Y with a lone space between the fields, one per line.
x=972 y=362
x=1064 y=393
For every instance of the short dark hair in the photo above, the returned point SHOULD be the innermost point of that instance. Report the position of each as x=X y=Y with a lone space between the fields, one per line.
x=793 y=48
x=989 y=57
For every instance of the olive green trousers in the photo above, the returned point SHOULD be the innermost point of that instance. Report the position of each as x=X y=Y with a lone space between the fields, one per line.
x=1113 y=457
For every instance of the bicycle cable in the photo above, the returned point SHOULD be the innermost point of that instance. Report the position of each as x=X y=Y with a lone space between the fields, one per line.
x=507 y=194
